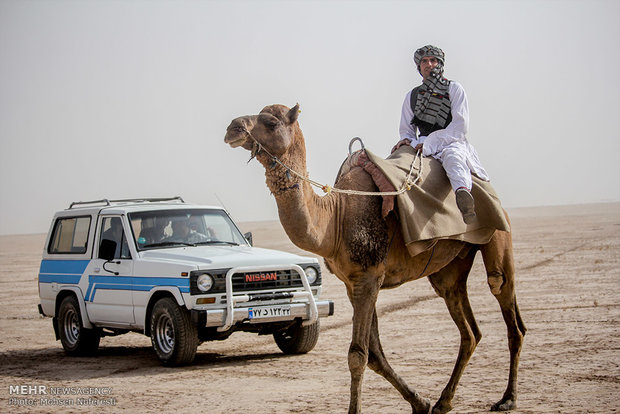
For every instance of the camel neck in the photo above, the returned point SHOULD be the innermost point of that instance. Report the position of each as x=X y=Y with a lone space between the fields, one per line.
x=305 y=216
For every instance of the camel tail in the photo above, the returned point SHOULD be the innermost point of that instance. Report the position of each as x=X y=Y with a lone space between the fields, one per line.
x=498 y=259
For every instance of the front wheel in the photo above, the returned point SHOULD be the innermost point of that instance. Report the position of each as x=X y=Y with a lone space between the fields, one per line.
x=298 y=339
x=75 y=339
x=173 y=335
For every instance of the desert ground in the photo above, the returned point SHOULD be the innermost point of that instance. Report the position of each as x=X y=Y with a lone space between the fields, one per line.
x=568 y=290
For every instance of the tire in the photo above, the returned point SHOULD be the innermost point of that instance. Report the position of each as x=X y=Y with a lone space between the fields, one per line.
x=75 y=339
x=173 y=335
x=298 y=339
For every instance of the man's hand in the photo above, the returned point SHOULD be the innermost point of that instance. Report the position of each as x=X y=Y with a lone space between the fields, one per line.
x=405 y=141
x=418 y=147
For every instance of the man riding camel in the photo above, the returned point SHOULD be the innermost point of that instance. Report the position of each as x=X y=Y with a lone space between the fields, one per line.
x=435 y=120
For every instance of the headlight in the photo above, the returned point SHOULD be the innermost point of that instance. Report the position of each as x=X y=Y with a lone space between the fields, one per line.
x=204 y=282
x=311 y=274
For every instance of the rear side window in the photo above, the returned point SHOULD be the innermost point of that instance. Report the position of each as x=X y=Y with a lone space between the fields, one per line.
x=70 y=236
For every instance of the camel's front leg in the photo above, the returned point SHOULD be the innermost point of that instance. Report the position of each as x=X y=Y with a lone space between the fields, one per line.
x=378 y=363
x=363 y=291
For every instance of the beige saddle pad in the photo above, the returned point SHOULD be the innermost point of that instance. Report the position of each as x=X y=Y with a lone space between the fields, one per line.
x=428 y=211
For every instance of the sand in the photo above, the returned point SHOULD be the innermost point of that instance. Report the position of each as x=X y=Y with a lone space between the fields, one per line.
x=568 y=289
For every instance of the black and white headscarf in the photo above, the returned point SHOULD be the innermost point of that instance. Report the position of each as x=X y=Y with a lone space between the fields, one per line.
x=433 y=100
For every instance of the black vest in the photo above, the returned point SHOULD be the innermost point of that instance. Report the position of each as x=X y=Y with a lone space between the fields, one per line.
x=424 y=127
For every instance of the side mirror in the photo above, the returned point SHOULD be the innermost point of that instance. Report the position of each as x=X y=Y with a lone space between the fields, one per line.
x=248 y=237
x=107 y=249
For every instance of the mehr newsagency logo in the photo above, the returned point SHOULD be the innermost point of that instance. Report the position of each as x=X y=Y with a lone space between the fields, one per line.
x=44 y=395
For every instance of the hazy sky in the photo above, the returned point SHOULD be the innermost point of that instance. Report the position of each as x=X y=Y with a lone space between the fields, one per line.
x=118 y=99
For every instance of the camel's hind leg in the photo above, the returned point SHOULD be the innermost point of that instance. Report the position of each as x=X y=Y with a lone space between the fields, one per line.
x=378 y=363
x=499 y=264
x=451 y=284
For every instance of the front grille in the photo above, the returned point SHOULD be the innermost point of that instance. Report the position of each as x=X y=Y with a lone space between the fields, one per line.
x=282 y=279
x=244 y=282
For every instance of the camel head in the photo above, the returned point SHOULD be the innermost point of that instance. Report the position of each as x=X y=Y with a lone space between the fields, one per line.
x=274 y=128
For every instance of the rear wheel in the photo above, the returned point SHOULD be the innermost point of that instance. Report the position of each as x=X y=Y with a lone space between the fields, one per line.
x=173 y=335
x=298 y=339
x=75 y=339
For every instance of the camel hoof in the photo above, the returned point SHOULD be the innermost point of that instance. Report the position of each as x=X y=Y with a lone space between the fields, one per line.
x=504 y=405
x=426 y=407
x=441 y=408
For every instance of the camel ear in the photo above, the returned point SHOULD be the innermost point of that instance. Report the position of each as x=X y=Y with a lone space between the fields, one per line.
x=292 y=115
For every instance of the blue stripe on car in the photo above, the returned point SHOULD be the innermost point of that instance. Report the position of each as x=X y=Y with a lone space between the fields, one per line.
x=62 y=271
x=70 y=272
x=75 y=267
x=64 y=279
x=140 y=284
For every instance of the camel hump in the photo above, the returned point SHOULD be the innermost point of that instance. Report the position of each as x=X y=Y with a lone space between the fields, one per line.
x=352 y=161
x=380 y=183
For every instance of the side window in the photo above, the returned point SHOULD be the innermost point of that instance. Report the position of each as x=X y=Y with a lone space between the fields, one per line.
x=112 y=229
x=70 y=236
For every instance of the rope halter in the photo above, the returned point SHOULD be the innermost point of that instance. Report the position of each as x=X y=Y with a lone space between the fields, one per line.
x=406 y=185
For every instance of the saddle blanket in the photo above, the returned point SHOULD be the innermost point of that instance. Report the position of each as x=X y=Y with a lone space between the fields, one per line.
x=428 y=211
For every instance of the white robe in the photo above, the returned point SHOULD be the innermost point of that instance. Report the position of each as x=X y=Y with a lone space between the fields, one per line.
x=449 y=145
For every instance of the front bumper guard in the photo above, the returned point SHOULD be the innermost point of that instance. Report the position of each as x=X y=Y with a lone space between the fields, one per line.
x=303 y=304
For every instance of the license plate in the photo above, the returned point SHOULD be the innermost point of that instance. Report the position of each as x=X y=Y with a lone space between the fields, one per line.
x=269 y=312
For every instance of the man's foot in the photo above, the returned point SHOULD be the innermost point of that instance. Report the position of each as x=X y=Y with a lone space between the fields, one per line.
x=465 y=203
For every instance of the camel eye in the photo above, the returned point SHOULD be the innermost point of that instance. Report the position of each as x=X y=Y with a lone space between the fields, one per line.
x=271 y=123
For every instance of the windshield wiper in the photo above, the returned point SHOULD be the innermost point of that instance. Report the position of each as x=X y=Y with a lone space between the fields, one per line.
x=169 y=243
x=217 y=242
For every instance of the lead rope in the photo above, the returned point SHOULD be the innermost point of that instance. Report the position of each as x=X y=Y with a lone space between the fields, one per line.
x=406 y=186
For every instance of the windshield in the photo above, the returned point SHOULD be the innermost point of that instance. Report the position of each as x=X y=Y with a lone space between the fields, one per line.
x=189 y=227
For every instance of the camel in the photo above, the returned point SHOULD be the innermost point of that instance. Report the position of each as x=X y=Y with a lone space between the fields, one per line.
x=367 y=253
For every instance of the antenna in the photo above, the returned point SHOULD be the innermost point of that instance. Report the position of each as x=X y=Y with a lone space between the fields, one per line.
x=221 y=202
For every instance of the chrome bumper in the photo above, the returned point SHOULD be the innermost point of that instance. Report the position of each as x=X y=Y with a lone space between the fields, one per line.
x=218 y=317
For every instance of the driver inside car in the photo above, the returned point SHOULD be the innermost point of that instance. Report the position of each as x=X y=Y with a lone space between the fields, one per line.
x=182 y=233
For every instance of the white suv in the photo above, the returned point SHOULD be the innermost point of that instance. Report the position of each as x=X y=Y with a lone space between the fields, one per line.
x=176 y=272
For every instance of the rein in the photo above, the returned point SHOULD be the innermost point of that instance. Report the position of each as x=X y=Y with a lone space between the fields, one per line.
x=406 y=186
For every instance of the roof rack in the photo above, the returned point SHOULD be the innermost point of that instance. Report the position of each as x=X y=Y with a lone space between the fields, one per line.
x=107 y=202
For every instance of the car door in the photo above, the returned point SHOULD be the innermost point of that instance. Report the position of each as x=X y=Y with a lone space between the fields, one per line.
x=109 y=294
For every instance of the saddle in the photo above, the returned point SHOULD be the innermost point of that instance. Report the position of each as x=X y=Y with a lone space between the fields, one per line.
x=428 y=211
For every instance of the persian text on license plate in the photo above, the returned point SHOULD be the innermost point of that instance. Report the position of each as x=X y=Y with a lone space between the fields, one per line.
x=269 y=312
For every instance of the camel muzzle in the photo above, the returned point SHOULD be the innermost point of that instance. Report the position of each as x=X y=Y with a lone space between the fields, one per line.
x=238 y=131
